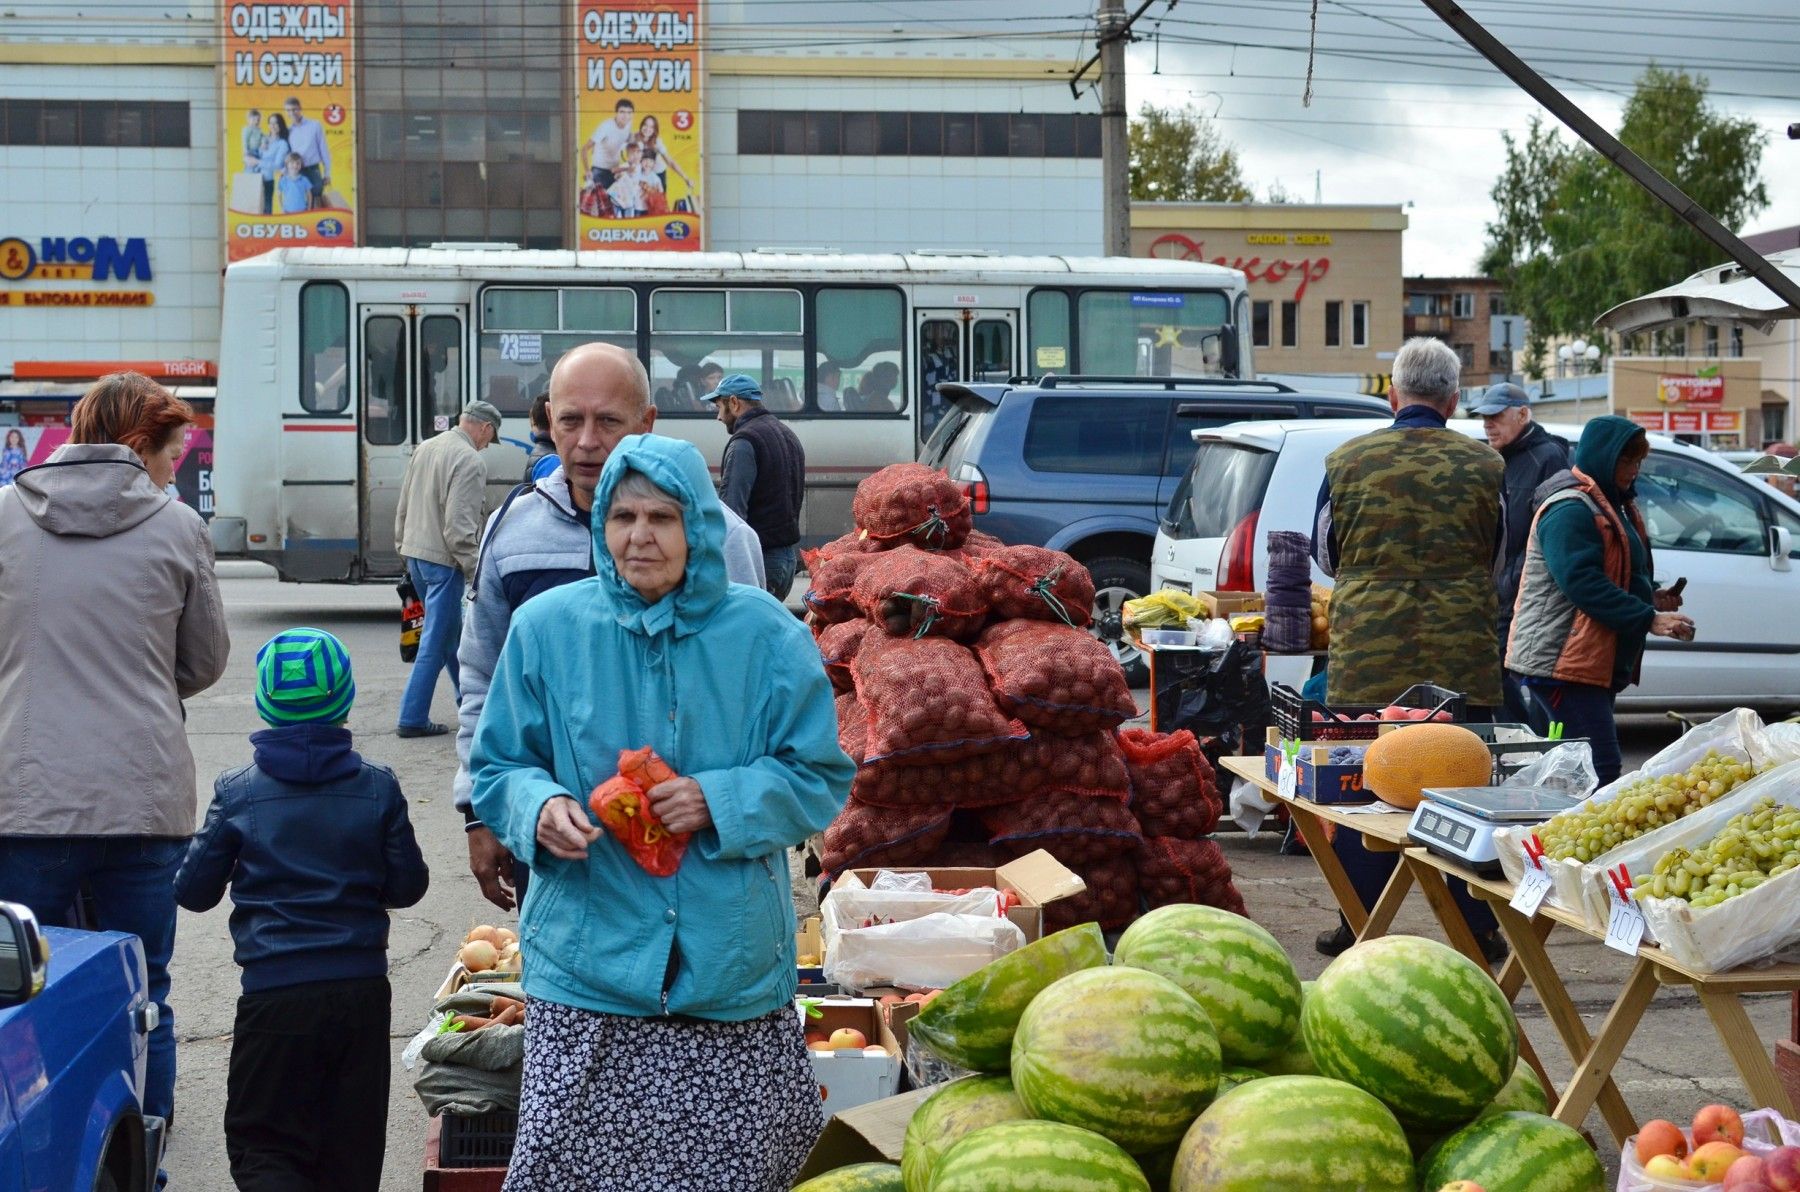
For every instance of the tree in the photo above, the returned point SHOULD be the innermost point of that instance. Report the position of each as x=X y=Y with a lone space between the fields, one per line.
x=1574 y=236
x=1178 y=155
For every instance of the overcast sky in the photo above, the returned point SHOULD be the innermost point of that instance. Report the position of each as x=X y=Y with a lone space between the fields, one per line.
x=1404 y=112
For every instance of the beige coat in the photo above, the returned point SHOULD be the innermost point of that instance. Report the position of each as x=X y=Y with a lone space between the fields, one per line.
x=109 y=617
x=440 y=514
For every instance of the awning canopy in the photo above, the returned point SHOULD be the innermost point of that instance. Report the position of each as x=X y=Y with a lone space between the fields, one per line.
x=1723 y=293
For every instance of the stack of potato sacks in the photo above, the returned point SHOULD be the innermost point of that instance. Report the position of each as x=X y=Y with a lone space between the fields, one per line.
x=984 y=718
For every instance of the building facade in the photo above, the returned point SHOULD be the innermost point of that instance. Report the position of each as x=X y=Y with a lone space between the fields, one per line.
x=1324 y=278
x=1460 y=311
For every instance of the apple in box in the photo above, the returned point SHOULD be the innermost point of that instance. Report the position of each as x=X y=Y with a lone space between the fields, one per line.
x=1781 y=1169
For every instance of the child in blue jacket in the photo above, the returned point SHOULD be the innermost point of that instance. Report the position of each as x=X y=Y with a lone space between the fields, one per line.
x=317 y=848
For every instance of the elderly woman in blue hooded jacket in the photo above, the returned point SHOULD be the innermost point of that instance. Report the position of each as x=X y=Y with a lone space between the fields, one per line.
x=662 y=1047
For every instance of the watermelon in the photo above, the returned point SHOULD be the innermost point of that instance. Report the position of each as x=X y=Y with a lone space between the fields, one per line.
x=1232 y=967
x=1294 y=1059
x=1416 y=1023
x=971 y=1023
x=862 y=1177
x=1119 y=1051
x=1515 y=1152
x=1295 y=1134
x=958 y=1108
x=1036 y=1157
x=1523 y=1091
x=1230 y=1078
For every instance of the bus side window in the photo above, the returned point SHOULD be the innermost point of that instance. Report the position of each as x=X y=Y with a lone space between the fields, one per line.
x=324 y=348
x=699 y=336
x=860 y=335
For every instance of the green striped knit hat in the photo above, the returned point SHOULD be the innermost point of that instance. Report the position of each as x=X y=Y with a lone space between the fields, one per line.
x=303 y=677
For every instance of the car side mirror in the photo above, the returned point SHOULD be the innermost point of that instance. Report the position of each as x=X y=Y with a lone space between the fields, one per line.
x=24 y=955
x=1781 y=546
x=1228 y=350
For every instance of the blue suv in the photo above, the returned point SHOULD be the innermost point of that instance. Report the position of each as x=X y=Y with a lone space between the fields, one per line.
x=1088 y=464
x=75 y=1022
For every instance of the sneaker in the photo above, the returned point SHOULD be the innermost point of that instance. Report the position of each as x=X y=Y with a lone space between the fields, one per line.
x=422 y=730
x=1334 y=942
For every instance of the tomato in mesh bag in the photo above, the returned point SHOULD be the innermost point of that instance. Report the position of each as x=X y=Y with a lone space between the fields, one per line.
x=622 y=804
x=837 y=646
x=863 y=836
x=926 y=701
x=1111 y=898
x=1036 y=584
x=1055 y=677
x=911 y=503
x=1173 y=788
x=1173 y=871
x=830 y=584
x=915 y=593
x=1077 y=830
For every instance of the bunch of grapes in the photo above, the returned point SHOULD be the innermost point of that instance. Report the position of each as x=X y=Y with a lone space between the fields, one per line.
x=1649 y=803
x=1755 y=846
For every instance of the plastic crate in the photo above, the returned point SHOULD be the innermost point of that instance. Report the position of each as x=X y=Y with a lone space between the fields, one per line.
x=1293 y=713
x=477 y=1140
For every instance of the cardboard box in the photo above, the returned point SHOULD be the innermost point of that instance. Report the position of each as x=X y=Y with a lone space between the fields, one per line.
x=1223 y=604
x=1037 y=878
x=849 y=1077
x=1318 y=778
x=872 y=1133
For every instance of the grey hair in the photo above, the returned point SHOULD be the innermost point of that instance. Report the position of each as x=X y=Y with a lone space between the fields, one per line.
x=1428 y=370
x=639 y=487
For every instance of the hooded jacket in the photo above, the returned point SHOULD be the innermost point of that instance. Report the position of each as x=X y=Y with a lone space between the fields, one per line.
x=1586 y=597
x=316 y=846
x=1531 y=459
x=724 y=683
x=109 y=617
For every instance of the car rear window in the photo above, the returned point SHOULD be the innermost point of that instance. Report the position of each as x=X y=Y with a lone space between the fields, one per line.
x=1117 y=436
x=1223 y=485
x=945 y=446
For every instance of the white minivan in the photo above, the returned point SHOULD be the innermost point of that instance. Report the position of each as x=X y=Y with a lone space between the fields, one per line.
x=1733 y=540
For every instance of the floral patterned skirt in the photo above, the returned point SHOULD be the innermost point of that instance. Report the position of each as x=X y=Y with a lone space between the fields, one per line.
x=617 y=1104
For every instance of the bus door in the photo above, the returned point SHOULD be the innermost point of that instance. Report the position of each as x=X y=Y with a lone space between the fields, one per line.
x=414 y=382
x=962 y=345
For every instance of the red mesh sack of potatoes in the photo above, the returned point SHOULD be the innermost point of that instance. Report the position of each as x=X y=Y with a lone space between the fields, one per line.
x=853 y=543
x=1055 y=677
x=926 y=701
x=831 y=583
x=1172 y=871
x=837 y=646
x=978 y=544
x=914 y=504
x=1077 y=830
x=1173 y=789
x=967 y=854
x=1111 y=898
x=916 y=593
x=1089 y=764
x=853 y=727
x=863 y=836
x=971 y=782
x=1036 y=584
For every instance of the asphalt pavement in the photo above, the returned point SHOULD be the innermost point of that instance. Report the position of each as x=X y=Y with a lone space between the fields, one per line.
x=1674 y=1065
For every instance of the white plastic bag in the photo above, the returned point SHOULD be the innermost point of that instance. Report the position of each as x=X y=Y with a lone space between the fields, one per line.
x=915 y=883
x=1569 y=768
x=1784 y=740
x=926 y=953
x=1248 y=807
x=1764 y=1130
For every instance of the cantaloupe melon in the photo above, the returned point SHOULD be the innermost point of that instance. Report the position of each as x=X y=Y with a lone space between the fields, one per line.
x=1404 y=760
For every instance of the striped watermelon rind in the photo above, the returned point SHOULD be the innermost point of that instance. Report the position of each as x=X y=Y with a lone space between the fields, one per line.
x=1295 y=1134
x=1230 y=965
x=955 y=1110
x=1416 y=1023
x=971 y=1023
x=861 y=1177
x=1119 y=1051
x=1515 y=1152
x=1231 y=1077
x=1523 y=1091
x=1034 y=1157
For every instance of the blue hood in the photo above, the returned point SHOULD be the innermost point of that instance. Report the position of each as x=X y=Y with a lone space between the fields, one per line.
x=306 y=753
x=1603 y=440
x=680 y=470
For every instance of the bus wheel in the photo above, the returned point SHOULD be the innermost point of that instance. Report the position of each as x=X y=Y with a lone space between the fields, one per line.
x=1117 y=580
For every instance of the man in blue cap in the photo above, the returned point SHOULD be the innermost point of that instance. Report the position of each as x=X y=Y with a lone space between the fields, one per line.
x=764 y=476
x=1533 y=455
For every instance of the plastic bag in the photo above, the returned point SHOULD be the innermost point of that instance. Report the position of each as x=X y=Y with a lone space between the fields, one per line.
x=1784 y=740
x=1222 y=698
x=1032 y=583
x=927 y=701
x=1764 y=1130
x=1054 y=677
x=911 y=503
x=930 y=952
x=622 y=805
x=1568 y=768
x=913 y=593
x=1167 y=609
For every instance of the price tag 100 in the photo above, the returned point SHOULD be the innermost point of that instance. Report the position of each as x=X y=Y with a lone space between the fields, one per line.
x=1289 y=782
x=1533 y=888
x=1625 y=926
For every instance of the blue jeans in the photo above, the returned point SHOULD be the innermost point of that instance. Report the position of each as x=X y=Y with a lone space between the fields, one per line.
x=779 y=566
x=133 y=883
x=1584 y=711
x=441 y=588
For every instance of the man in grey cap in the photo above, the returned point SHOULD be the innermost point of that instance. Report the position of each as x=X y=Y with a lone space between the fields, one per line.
x=1533 y=455
x=437 y=528
x=763 y=476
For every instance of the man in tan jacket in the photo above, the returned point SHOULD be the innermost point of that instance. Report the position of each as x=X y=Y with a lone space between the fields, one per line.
x=438 y=527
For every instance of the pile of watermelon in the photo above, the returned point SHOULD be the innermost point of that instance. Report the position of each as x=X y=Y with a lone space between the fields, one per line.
x=985 y=720
x=1151 y=1072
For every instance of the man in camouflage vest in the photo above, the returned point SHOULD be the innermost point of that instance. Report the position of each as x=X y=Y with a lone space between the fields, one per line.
x=1411 y=521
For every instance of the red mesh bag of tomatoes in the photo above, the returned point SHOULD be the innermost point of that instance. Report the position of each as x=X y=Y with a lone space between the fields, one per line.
x=862 y=836
x=837 y=647
x=622 y=805
x=1111 y=898
x=1173 y=789
x=1078 y=830
x=831 y=584
x=926 y=702
x=1035 y=584
x=1173 y=871
x=915 y=593
x=1055 y=677
x=912 y=504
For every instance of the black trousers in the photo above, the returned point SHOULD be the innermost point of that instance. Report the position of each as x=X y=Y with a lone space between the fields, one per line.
x=306 y=1099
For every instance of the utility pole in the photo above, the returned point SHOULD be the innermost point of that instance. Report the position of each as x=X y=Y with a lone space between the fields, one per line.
x=1111 y=32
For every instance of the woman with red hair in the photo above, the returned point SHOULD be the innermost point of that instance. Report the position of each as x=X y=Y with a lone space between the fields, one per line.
x=109 y=617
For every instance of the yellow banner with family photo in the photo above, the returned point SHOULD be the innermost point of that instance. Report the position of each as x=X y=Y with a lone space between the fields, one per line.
x=637 y=113
x=289 y=142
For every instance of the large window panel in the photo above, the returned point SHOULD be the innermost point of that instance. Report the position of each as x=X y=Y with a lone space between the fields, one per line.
x=1115 y=436
x=1156 y=334
x=859 y=363
x=1688 y=506
x=695 y=332
x=1049 y=347
x=524 y=332
x=324 y=348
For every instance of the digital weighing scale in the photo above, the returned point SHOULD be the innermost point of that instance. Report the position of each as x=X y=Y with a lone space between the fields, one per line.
x=1459 y=822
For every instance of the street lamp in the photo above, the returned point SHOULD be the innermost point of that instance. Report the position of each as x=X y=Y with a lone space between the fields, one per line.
x=1579 y=352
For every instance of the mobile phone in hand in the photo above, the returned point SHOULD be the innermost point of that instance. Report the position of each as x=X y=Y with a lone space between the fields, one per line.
x=1677 y=586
